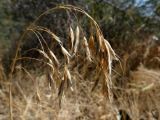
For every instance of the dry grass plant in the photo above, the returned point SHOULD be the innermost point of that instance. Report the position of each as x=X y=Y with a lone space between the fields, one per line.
x=79 y=53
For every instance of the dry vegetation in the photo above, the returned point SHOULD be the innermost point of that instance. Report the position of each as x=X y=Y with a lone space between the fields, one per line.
x=74 y=81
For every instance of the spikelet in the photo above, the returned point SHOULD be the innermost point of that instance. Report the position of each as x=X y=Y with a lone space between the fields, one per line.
x=91 y=45
x=72 y=37
x=113 y=54
x=88 y=54
x=67 y=75
x=45 y=55
x=40 y=28
x=100 y=42
x=65 y=53
x=77 y=40
x=54 y=57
